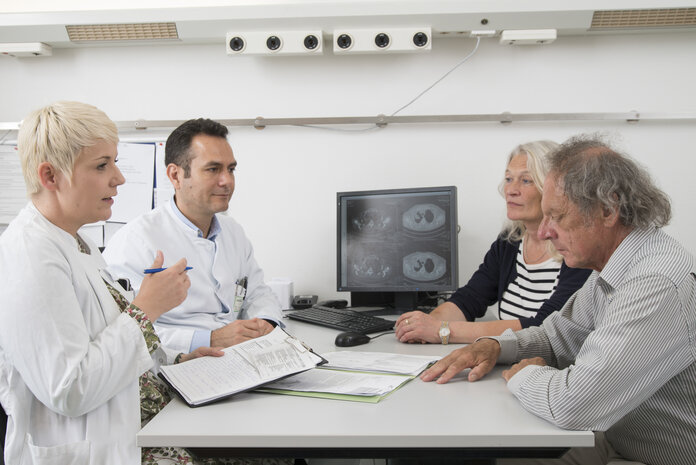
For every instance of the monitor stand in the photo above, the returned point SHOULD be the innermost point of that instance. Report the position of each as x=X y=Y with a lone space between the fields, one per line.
x=393 y=302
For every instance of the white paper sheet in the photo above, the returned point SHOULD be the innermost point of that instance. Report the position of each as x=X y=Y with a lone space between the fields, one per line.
x=341 y=382
x=109 y=231
x=163 y=186
x=137 y=163
x=13 y=193
x=94 y=231
x=379 y=362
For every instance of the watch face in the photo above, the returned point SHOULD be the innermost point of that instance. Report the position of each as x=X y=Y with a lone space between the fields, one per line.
x=444 y=332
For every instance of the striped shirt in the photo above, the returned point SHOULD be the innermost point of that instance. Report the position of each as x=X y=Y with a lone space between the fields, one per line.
x=621 y=354
x=532 y=286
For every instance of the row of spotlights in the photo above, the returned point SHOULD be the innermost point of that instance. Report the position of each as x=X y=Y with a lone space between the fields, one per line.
x=344 y=41
x=355 y=41
x=273 y=43
x=263 y=43
x=382 y=40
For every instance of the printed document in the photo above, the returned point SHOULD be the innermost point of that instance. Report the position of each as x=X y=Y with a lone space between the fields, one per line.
x=383 y=362
x=243 y=367
x=355 y=376
x=341 y=382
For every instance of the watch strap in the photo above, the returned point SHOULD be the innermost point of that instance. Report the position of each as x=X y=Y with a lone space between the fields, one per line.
x=444 y=335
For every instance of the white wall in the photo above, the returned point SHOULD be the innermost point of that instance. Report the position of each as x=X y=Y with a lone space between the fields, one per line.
x=288 y=176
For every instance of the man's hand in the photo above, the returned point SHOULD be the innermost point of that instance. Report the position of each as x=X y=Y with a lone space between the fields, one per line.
x=512 y=371
x=418 y=327
x=479 y=356
x=239 y=331
x=202 y=352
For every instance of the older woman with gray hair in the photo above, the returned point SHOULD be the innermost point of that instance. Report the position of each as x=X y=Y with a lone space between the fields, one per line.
x=523 y=274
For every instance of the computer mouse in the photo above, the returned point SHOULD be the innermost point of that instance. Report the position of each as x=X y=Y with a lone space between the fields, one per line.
x=350 y=339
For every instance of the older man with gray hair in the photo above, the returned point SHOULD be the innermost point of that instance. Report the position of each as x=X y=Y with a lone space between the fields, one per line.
x=620 y=357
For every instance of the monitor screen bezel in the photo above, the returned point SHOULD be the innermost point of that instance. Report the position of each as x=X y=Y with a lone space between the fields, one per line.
x=454 y=255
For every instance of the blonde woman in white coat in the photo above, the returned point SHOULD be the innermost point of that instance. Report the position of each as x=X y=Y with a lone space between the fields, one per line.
x=70 y=356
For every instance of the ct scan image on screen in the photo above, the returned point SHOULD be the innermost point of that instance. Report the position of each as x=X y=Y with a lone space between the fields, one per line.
x=400 y=239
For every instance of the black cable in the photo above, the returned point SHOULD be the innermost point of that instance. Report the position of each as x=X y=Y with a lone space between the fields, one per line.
x=388 y=332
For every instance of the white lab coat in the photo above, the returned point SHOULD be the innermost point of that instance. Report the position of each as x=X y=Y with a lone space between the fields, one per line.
x=216 y=268
x=69 y=359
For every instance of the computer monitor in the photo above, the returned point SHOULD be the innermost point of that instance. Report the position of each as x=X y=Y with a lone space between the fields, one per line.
x=394 y=246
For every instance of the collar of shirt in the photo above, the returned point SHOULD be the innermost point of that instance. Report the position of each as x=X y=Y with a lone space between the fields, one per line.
x=214 y=225
x=620 y=261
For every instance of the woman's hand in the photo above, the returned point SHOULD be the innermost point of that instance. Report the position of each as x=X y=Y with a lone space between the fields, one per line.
x=202 y=352
x=162 y=291
x=418 y=327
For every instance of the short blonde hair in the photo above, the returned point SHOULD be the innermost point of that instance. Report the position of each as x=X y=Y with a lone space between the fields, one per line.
x=56 y=134
x=537 y=154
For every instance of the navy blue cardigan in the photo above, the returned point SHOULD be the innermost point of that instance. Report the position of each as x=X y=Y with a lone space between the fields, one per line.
x=499 y=269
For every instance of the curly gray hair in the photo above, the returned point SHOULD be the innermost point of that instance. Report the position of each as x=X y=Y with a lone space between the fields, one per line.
x=593 y=175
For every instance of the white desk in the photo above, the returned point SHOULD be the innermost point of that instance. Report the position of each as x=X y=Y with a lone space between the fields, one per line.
x=479 y=419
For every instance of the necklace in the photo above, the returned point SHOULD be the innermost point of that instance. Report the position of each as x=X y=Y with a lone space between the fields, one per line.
x=527 y=258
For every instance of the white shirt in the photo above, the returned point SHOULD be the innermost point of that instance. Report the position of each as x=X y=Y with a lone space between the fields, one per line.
x=218 y=263
x=69 y=359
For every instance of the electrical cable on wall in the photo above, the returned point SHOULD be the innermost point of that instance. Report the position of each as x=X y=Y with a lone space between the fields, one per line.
x=372 y=128
x=478 y=41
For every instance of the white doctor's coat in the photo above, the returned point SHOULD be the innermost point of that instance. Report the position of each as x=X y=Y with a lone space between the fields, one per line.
x=216 y=268
x=69 y=359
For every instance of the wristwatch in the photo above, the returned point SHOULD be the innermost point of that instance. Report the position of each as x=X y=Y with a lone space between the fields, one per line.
x=444 y=332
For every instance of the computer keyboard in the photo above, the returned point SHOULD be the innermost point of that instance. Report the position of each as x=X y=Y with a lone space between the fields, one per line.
x=345 y=320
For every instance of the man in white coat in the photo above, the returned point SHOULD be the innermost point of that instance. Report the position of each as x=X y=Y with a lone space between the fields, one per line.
x=228 y=301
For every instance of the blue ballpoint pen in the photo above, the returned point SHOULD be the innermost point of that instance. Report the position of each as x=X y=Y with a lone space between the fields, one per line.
x=157 y=270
